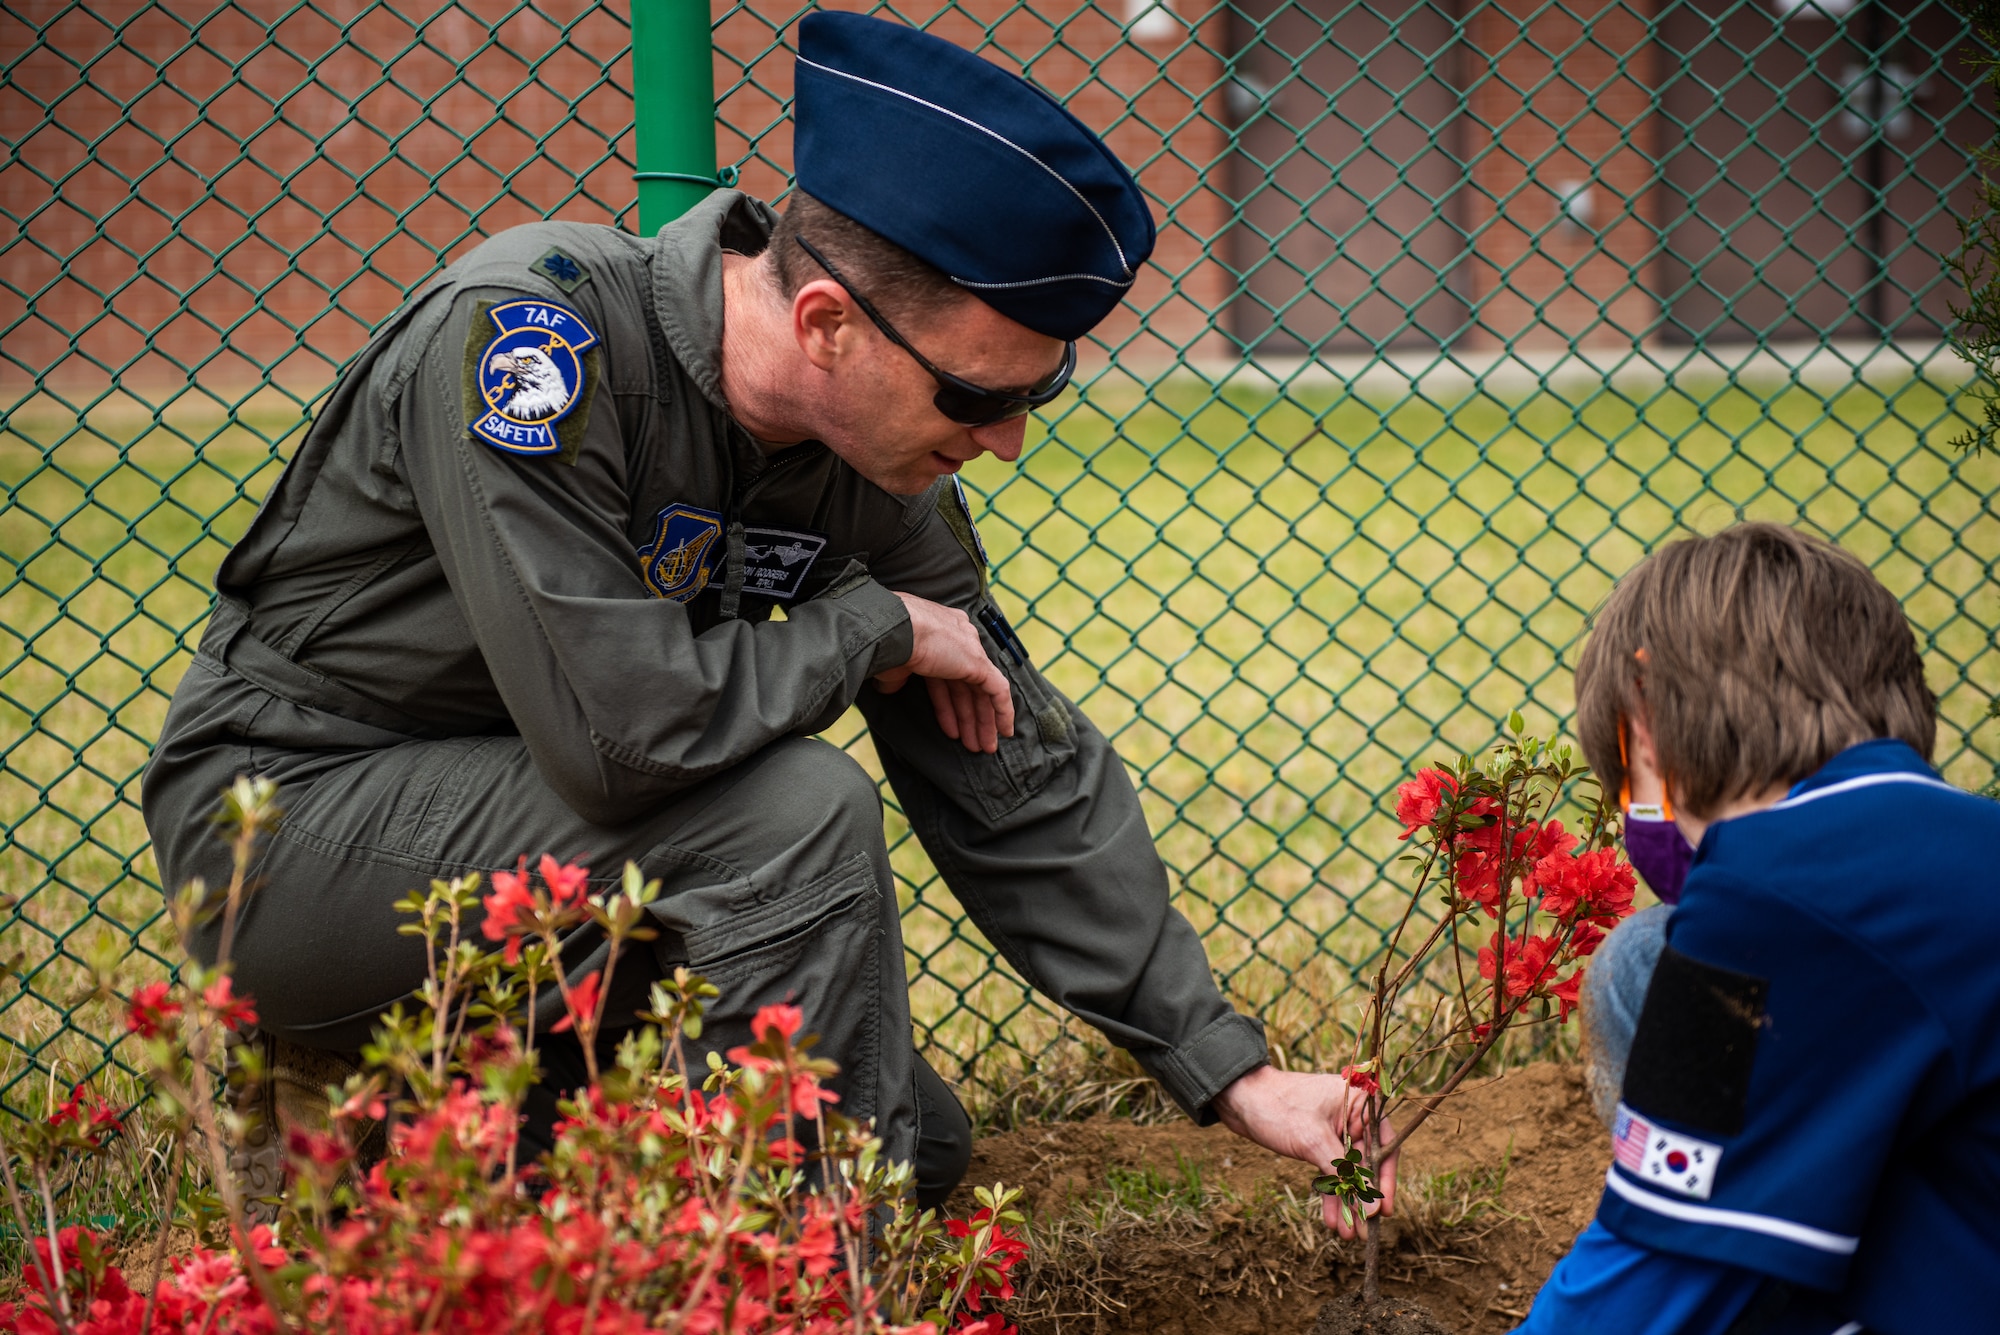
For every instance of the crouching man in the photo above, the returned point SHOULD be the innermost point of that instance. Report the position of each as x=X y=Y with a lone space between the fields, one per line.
x=516 y=593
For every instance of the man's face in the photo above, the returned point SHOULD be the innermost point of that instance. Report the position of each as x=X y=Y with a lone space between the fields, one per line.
x=878 y=414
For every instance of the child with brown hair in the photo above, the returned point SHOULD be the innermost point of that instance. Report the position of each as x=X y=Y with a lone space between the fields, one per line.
x=1808 y=1139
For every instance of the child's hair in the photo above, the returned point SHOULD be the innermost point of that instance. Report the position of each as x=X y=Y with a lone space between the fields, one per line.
x=1755 y=656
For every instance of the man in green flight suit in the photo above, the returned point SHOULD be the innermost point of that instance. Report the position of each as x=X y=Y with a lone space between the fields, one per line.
x=515 y=595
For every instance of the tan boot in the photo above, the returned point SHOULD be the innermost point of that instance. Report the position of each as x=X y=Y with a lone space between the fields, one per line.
x=291 y=1095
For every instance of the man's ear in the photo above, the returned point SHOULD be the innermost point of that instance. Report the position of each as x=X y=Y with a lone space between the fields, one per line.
x=823 y=319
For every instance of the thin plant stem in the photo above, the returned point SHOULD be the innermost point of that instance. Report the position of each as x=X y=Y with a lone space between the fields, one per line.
x=170 y=1195
x=27 y=1239
x=55 y=1237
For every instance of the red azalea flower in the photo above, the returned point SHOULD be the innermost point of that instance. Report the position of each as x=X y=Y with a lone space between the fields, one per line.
x=1419 y=801
x=152 y=1012
x=986 y=1325
x=808 y=1094
x=316 y=1148
x=93 y=1118
x=786 y=1020
x=1365 y=1081
x=1528 y=963
x=1567 y=994
x=581 y=1004
x=1585 y=937
x=233 y=1011
x=566 y=881
x=510 y=909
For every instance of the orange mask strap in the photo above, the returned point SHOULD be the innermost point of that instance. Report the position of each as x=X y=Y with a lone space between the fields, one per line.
x=1625 y=779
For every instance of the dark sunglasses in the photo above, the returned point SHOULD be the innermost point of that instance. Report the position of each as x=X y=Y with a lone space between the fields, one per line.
x=960 y=400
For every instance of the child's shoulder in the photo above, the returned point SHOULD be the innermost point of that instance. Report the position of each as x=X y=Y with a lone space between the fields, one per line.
x=1875 y=817
x=1874 y=858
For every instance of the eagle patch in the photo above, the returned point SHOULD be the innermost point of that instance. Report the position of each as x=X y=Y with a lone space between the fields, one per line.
x=530 y=375
x=687 y=543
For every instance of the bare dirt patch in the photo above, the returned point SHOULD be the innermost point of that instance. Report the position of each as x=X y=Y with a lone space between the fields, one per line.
x=1182 y=1230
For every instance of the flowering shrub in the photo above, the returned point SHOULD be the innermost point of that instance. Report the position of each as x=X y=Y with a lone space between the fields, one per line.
x=730 y=1199
x=1505 y=883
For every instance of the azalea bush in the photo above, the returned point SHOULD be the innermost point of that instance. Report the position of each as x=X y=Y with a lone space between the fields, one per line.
x=1506 y=905
x=699 y=1196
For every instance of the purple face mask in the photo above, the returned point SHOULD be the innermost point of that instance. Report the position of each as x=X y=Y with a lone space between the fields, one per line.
x=1658 y=850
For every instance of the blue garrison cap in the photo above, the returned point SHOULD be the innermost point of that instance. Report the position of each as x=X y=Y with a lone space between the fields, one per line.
x=968 y=167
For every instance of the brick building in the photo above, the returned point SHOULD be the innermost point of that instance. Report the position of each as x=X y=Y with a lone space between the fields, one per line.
x=206 y=192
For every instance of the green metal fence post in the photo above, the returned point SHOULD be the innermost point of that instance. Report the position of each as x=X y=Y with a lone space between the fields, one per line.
x=673 y=94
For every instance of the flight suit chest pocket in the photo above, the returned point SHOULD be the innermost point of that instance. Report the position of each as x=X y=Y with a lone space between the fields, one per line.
x=1044 y=741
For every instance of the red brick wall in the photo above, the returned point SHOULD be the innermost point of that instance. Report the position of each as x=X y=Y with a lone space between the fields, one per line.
x=1560 y=95
x=249 y=188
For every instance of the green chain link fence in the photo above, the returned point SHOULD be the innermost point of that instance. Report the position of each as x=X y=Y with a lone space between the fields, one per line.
x=1456 y=313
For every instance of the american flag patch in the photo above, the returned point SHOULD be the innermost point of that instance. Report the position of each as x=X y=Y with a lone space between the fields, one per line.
x=1628 y=1139
x=1663 y=1158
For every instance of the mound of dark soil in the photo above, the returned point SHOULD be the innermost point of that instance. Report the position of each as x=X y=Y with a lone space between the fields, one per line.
x=1348 y=1315
x=1225 y=1239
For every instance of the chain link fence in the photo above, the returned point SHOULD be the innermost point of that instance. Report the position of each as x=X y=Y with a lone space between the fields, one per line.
x=1457 y=311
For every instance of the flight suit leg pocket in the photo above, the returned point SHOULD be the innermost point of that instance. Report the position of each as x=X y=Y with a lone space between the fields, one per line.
x=823 y=949
x=1044 y=741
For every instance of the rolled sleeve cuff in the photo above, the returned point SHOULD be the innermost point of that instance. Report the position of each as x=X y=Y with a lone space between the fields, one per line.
x=893 y=638
x=1193 y=1074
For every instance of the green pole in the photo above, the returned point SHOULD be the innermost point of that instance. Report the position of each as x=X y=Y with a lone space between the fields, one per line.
x=673 y=94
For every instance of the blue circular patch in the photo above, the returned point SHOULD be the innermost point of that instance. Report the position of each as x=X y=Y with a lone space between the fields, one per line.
x=531 y=374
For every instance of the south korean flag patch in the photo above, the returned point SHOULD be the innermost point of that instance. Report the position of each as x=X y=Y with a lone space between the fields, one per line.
x=530 y=375
x=1663 y=1158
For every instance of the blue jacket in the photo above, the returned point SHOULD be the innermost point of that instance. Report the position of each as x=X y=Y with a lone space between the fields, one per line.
x=1811 y=1120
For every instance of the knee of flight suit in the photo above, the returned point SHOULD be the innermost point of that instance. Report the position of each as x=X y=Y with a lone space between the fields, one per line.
x=820 y=792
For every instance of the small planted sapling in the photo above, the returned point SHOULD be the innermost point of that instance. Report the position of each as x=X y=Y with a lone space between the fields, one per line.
x=1505 y=907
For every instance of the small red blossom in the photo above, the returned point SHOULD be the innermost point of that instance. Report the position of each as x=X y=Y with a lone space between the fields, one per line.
x=775 y=1024
x=566 y=881
x=233 y=1011
x=152 y=1011
x=1419 y=801
x=1365 y=1081
x=808 y=1094
x=92 y=1119
x=986 y=1325
x=510 y=910
x=1568 y=994
x=1528 y=964
x=580 y=1006
x=317 y=1148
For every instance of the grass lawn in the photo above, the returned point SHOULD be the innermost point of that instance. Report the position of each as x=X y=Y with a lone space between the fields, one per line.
x=1276 y=604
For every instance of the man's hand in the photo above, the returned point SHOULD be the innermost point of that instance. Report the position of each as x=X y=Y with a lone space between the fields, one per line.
x=1302 y=1115
x=973 y=702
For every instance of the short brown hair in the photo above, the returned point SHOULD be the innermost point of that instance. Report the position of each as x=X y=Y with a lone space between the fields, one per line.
x=896 y=282
x=1755 y=656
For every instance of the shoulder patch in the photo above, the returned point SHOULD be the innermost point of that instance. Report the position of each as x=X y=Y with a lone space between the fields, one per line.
x=561 y=268
x=529 y=367
x=1664 y=1158
x=1696 y=1043
x=686 y=545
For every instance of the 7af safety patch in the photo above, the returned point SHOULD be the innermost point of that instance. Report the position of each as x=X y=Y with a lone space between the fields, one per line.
x=1664 y=1158
x=686 y=547
x=527 y=373
x=775 y=560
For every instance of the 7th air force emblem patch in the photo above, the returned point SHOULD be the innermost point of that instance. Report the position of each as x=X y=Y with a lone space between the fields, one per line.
x=531 y=375
x=686 y=545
